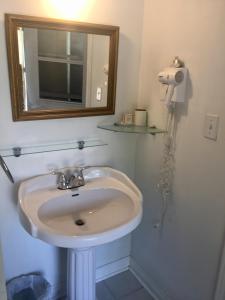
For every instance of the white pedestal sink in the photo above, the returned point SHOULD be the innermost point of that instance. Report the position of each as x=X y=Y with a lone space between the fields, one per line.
x=106 y=208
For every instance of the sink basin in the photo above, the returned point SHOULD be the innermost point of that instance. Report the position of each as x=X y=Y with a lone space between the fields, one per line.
x=106 y=208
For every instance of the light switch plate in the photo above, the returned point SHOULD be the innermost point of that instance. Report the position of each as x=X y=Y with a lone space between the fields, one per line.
x=211 y=126
x=99 y=94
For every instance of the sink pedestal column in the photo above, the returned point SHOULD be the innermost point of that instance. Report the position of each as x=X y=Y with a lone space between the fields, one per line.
x=81 y=274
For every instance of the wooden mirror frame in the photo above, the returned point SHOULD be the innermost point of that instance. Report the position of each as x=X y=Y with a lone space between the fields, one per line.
x=12 y=22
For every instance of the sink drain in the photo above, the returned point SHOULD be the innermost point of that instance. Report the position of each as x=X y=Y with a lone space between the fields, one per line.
x=79 y=222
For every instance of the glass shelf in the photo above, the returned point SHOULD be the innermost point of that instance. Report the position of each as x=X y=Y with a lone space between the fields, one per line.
x=58 y=146
x=132 y=129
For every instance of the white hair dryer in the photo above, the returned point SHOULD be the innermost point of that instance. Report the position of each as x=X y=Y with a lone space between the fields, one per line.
x=175 y=78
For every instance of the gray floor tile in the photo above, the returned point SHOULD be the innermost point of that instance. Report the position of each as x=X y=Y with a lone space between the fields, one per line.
x=102 y=292
x=139 y=295
x=122 y=284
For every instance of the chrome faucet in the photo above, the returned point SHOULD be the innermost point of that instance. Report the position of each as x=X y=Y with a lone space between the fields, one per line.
x=71 y=181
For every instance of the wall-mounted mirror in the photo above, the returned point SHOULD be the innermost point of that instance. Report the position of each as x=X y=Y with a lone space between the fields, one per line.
x=60 y=69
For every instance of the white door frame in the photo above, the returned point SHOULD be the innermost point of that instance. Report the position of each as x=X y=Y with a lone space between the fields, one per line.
x=220 y=287
x=2 y=278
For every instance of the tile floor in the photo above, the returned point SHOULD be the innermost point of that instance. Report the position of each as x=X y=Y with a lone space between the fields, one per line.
x=123 y=286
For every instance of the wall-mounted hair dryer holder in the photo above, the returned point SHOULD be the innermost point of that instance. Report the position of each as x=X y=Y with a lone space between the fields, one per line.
x=175 y=79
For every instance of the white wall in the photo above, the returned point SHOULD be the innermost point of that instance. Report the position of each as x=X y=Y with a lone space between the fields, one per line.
x=23 y=254
x=182 y=262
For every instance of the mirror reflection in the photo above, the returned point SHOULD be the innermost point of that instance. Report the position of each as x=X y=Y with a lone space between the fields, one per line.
x=63 y=69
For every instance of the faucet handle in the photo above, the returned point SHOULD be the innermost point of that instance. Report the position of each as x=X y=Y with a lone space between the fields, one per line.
x=78 y=173
x=62 y=181
x=77 y=179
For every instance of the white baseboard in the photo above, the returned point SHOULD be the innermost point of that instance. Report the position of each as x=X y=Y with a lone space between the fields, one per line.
x=112 y=269
x=154 y=290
